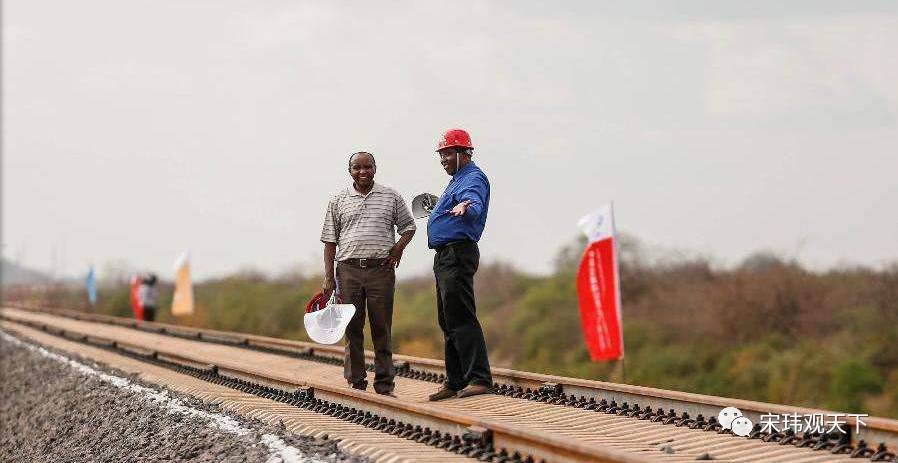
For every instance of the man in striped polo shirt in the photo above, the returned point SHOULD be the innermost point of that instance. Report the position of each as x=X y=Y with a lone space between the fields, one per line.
x=359 y=233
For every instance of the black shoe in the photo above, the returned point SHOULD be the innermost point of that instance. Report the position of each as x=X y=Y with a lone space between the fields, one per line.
x=388 y=394
x=360 y=386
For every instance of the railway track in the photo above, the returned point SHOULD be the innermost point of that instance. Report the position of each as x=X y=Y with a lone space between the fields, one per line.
x=532 y=416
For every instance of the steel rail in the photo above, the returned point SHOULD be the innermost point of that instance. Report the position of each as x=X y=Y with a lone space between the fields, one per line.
x=674 y=405
x=475 y=432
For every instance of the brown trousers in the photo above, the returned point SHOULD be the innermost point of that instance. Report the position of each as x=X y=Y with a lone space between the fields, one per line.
x=369 y=289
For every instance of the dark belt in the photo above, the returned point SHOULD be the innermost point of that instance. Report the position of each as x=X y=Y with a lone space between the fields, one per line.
x=364 y=263
x=453 y=243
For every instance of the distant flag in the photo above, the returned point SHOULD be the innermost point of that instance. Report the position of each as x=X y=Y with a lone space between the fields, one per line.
x=136 y=306
x=598 y=287
x=182 y=301
x=90 y=284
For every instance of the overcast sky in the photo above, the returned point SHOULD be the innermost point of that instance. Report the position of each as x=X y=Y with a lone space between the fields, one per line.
x=136 y=129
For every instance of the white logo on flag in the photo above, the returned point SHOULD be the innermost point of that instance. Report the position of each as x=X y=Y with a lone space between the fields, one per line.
x=595 y=276
x=599 y=224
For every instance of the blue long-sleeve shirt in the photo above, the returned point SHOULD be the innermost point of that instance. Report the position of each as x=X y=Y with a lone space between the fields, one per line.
x=468 y=184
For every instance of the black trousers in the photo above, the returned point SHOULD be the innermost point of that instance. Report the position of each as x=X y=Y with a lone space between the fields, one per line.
x=149 y=313
x=466 y=358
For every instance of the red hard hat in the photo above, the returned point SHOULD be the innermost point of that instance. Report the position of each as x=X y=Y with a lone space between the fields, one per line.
x=318 y=302
x=455 y=138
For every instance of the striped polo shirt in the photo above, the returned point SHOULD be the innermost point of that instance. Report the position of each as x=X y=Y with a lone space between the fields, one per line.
x=365 y=226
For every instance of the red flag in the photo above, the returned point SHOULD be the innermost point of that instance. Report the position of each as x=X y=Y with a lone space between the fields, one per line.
x=598 y=288
x=136 y=307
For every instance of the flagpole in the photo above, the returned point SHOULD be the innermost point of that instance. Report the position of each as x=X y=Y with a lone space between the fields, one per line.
x=620 y=318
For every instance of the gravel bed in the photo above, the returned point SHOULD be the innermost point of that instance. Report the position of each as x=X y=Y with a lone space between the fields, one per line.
x=59 y=408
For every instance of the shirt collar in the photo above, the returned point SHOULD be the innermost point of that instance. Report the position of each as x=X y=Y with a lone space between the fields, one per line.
x=354 y=192
x=469 y=166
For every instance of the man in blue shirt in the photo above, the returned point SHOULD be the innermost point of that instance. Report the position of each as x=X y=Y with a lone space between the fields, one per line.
x=453 y=230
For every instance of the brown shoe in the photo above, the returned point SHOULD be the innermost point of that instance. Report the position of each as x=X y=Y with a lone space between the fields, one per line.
x=442 y=394
x=473 y=389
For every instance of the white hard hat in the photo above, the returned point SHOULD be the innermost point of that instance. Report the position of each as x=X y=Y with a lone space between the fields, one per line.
x=327 y=326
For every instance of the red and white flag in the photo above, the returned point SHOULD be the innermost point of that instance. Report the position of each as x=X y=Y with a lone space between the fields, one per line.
x=598 y=287
x=134 y=297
